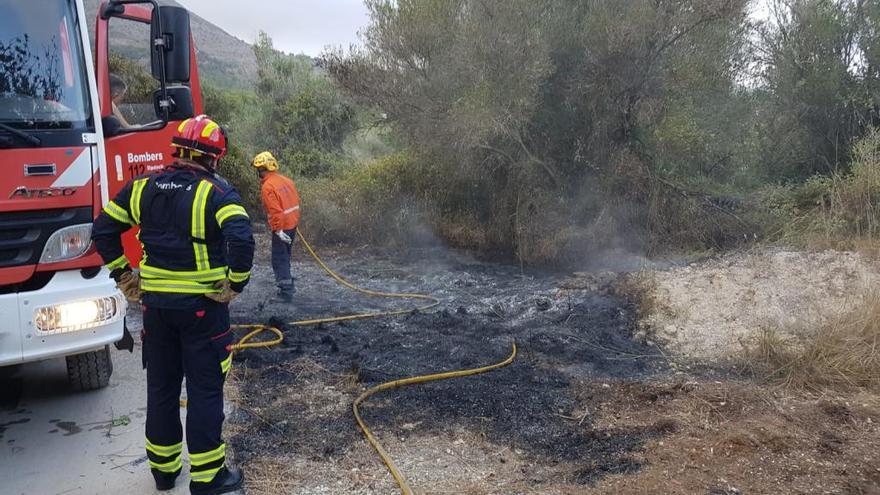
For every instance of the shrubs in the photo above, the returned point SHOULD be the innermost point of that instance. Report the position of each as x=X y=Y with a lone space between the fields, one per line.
x=294 y=111
x=236 y=168
x=375 y=203
x=853 y=201
x=839 y=211
x=403 y=198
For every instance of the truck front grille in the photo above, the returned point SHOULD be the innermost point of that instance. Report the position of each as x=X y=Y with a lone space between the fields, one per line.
x=23 y=234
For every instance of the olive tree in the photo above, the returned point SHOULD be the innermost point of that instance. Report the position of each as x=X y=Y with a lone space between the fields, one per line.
x=538 y=106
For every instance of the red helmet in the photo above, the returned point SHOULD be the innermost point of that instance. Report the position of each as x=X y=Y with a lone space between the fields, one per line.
x=202 y=136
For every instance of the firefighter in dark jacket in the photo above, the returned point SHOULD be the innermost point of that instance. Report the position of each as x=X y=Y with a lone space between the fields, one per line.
x=198 y=251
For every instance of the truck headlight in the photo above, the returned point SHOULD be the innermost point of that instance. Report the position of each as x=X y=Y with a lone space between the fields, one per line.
x=67 y=243
x=78 y=315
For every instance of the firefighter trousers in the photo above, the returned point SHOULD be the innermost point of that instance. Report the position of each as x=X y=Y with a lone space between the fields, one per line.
x=193 y=344
x=281 y=263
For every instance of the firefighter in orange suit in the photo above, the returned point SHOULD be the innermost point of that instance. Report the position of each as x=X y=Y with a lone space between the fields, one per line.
x=281 y=202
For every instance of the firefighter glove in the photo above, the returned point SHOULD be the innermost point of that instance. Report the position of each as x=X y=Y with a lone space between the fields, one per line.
x=284 y=237
x=129 y=283
x=226 y=294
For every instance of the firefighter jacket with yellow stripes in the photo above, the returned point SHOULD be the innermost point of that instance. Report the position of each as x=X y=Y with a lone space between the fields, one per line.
x=193 y=229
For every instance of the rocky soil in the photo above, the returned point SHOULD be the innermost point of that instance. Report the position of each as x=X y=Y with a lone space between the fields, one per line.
x=707 y=310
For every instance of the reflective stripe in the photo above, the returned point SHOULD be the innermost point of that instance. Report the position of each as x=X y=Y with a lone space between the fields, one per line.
x=201 y=253
x=198 y=211
x=117 y=213
x=200 y=204
x=137 y=190
x=119 y=262
x=211 y=275
x=229 y=211
x=177 y=286
x=204 y=476
x=239 y=276
x=291 y=210
x=225 y=365
x=209 y=128
x=168 y=467
x=207 y=457
x=164 y=450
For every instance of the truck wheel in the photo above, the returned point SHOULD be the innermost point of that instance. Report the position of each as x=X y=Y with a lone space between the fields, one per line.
x=90 y=370
x=8 y=372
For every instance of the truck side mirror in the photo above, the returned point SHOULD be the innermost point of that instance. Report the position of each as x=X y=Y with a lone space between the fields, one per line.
x=180 y=103
x=174 y=43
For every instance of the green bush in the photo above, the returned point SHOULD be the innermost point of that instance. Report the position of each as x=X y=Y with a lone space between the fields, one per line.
x=237 y=169
x=368 y=204
x=841 y=210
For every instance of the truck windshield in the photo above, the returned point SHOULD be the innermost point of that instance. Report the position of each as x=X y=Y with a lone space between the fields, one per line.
x=42 y=71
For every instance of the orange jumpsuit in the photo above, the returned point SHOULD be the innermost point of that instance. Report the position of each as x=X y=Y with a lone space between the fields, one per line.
x=281 y=201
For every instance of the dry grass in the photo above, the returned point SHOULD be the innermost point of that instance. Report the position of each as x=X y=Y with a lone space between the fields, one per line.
x=270 y=476
x=307 y=369
x=642 y=288
x=842 y=353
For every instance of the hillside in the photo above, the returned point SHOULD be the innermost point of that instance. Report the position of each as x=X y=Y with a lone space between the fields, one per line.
x=224 y=60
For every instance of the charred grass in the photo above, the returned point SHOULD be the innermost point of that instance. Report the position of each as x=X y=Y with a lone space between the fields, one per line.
x=298 y=396
x=585 y=408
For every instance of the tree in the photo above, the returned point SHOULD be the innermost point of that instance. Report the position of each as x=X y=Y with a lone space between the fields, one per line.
x=552 y=108
x=819 y=64
x=304 y=117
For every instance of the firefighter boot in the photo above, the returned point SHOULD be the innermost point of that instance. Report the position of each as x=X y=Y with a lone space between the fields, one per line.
x=165 y=481
x=286 y=289
x=284 y=296
x=227 y=480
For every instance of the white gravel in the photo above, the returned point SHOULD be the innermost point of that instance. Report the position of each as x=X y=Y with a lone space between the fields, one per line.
x=707 y=309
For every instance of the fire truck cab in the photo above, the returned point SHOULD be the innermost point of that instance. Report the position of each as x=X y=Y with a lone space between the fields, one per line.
x=74 y=128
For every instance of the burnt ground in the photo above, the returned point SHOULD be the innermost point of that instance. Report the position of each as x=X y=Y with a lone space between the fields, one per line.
x=583 y=409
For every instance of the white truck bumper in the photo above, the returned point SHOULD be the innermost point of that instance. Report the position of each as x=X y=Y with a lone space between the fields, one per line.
x=68 y=316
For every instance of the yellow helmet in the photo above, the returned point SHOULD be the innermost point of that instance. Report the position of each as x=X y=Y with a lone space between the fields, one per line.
x=266 y=161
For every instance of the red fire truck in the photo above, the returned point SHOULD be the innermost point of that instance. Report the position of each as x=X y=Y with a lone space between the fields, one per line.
x=68 y=142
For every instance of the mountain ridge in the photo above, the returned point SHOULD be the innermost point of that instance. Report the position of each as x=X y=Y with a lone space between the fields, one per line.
x=224 y=60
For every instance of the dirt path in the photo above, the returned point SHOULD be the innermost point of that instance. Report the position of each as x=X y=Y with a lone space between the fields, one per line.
x=584 y=409
x=56 y=441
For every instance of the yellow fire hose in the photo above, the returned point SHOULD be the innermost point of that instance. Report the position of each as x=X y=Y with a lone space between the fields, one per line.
x=403 y=382
x=257 y=329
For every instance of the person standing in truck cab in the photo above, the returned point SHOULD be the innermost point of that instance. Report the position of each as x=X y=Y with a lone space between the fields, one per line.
x=281 y=202
x=198 y=252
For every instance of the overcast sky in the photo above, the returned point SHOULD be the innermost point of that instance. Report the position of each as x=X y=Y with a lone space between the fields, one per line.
x=307 y=26
x=296 y=26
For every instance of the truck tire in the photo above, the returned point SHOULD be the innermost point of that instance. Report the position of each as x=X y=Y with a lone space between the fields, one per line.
x=90 y=370
x=8 y=372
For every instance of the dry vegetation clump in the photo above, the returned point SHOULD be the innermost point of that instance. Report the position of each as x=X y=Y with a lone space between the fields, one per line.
x=271 y=476
x=640 y=287
x=843 y=352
